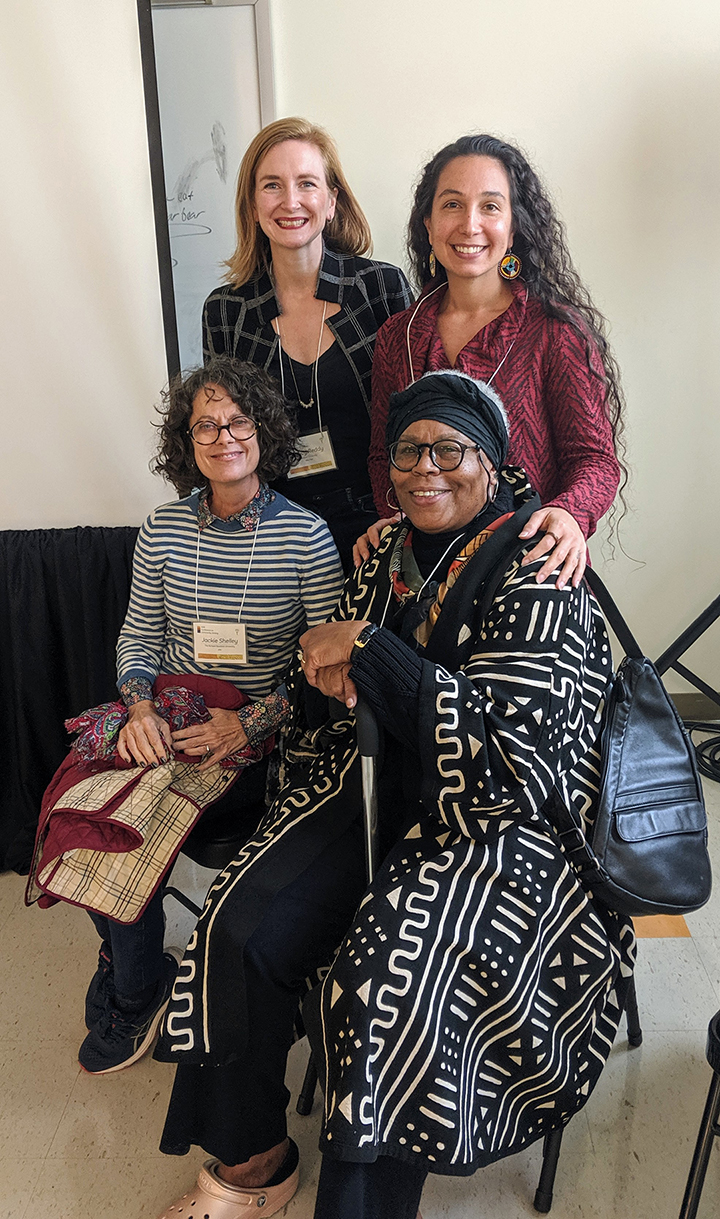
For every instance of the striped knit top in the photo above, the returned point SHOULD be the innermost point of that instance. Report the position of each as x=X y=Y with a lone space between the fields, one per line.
x=294 y=581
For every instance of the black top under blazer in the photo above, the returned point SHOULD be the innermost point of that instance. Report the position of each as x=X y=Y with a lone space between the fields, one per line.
x=237 y=321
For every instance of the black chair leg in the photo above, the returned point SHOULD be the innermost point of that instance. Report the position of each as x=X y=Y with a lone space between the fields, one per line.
x=307 y=1092
x=551 y=1154
x=709 y=1130
x=632 y=1016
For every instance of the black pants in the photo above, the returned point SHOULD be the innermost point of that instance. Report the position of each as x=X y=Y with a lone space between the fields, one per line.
x=387 y=1189
x=346 y=526
x=238 y=1110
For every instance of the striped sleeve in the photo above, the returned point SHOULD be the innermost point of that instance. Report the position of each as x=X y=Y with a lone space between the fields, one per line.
x=322 y=576
x=142 y=637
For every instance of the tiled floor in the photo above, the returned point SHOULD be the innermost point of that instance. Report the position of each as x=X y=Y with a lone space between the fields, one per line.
x=77 y=1147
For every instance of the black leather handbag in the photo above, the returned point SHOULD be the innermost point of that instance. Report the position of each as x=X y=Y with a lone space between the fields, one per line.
x=647 y=849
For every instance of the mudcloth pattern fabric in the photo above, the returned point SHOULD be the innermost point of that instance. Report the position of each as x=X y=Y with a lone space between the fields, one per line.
x=475 y=999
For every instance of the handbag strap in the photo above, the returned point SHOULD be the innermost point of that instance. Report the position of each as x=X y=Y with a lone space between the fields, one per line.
x=627 y=640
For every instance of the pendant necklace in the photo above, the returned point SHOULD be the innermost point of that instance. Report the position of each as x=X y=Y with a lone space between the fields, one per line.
x=488 y=380
x=313 y=369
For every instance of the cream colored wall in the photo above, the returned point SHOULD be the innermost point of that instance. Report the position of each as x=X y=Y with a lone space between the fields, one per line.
x=618 y=104
x=82 y=356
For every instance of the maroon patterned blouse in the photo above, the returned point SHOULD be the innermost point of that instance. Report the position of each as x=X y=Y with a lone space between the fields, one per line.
x=559 y=429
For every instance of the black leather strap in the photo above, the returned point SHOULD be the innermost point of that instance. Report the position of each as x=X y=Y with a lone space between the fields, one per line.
x=627 y=640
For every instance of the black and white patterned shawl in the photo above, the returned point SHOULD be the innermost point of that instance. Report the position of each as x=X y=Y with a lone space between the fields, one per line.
x=476 y=997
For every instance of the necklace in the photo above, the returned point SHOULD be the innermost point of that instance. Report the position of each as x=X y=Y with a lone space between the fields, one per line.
x=314 y=367
x=488 y=380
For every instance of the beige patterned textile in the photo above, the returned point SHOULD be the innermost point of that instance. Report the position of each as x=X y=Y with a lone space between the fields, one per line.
x=160 y=808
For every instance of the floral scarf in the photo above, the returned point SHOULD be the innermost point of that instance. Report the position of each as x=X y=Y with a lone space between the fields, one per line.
x=407 y=580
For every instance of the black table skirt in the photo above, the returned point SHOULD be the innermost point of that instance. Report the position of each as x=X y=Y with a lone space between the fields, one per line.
x=63 y=598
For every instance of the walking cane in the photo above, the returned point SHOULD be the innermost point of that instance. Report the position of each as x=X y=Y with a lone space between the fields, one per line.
x=368 y=739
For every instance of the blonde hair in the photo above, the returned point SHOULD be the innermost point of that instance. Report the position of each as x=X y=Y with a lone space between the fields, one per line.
x=348 y=232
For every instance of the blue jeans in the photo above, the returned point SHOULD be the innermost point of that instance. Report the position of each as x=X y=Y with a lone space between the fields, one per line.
x=136 y=949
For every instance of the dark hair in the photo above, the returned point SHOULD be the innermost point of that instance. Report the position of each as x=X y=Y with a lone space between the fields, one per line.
x=547 y=268
x=258 y=397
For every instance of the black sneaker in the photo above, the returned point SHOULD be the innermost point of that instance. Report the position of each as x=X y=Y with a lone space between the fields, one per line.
x=97 y=999
x=120 y=1038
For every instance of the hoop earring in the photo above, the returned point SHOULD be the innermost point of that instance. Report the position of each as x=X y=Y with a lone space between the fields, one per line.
x=510 y=266
x=432 y=263
x=393 y=507
x=493 y=481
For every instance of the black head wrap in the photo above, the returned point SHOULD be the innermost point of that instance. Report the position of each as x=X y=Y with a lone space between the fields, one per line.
x=469 y=406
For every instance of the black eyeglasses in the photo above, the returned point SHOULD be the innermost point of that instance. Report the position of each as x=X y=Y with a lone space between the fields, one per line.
x=445 y=454
x=207 y=432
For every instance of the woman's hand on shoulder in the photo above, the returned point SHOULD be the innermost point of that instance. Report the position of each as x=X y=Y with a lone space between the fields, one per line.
x=369 y=541
x=563 y=546
x=145 y=738
x=222 y=735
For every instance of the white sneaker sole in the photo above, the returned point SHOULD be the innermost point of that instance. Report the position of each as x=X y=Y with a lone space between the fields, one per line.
x=143 y=1047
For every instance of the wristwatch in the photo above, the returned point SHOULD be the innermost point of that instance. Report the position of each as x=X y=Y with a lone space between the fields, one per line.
x=363 y=639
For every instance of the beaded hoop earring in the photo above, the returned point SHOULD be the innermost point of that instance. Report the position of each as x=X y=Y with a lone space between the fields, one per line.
x=510 y=266
x=432 y=263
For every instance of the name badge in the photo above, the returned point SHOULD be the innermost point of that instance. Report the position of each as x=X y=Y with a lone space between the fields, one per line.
x=316 y=455
x=219 y=642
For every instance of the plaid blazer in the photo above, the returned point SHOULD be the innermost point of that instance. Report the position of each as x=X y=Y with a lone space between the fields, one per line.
x=237 y=321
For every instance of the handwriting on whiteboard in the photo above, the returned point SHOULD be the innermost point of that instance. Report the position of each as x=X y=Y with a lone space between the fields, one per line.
x=184 y=220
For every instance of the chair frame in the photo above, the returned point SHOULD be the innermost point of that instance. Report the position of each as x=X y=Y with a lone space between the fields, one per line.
x=709 y=1127
x=553 y=1141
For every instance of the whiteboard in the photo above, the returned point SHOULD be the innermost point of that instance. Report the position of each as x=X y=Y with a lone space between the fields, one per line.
x=209 y=97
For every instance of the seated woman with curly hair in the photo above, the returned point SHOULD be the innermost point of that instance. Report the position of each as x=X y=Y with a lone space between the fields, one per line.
x=224 y=582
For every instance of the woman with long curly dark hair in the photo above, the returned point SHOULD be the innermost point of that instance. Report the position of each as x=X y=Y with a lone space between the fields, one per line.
x=224 y=582
x=501 y=300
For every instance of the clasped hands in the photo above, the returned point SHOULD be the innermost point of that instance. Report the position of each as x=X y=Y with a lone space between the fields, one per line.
x=325 y=658
x=146 y=738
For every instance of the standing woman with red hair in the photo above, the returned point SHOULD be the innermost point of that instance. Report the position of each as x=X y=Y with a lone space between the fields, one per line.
x=303 y=303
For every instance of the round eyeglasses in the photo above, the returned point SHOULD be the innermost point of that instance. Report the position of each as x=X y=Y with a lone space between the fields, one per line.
x=207 y=432
x=445 y=454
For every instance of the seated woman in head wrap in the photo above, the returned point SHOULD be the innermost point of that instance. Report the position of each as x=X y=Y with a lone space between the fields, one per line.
x=477 y=989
